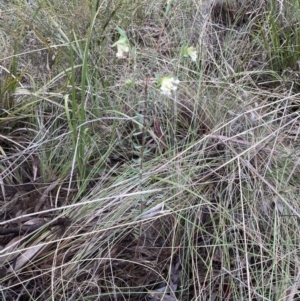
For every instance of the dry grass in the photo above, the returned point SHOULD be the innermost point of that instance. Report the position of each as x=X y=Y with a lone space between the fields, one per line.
x=111 y=190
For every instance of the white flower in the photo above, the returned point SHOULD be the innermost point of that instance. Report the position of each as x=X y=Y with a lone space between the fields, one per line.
x=122 y=47
x=191 y=52
x=129 y=83
x=167 y=85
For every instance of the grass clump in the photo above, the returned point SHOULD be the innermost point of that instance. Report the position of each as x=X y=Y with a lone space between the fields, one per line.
x=149 y=151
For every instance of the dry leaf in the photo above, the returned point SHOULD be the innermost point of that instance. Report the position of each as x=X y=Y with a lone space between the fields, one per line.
x=35 y=167
x=2 y=188
x=8 y=254
x=35 y=221
x=30 y=252
x=25 y=257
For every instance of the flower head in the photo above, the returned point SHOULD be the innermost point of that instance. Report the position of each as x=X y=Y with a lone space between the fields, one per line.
x=167 y=85
x=191 y=52
x=122 y=47
x=122 y=44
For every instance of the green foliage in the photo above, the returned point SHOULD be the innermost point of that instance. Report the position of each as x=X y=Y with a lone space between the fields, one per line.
x=152 y=128
x=281 y=39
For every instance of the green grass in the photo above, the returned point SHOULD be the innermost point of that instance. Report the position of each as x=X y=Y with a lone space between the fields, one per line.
x=187 y=196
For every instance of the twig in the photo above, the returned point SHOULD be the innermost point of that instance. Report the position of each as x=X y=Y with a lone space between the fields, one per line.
x=63 y=221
